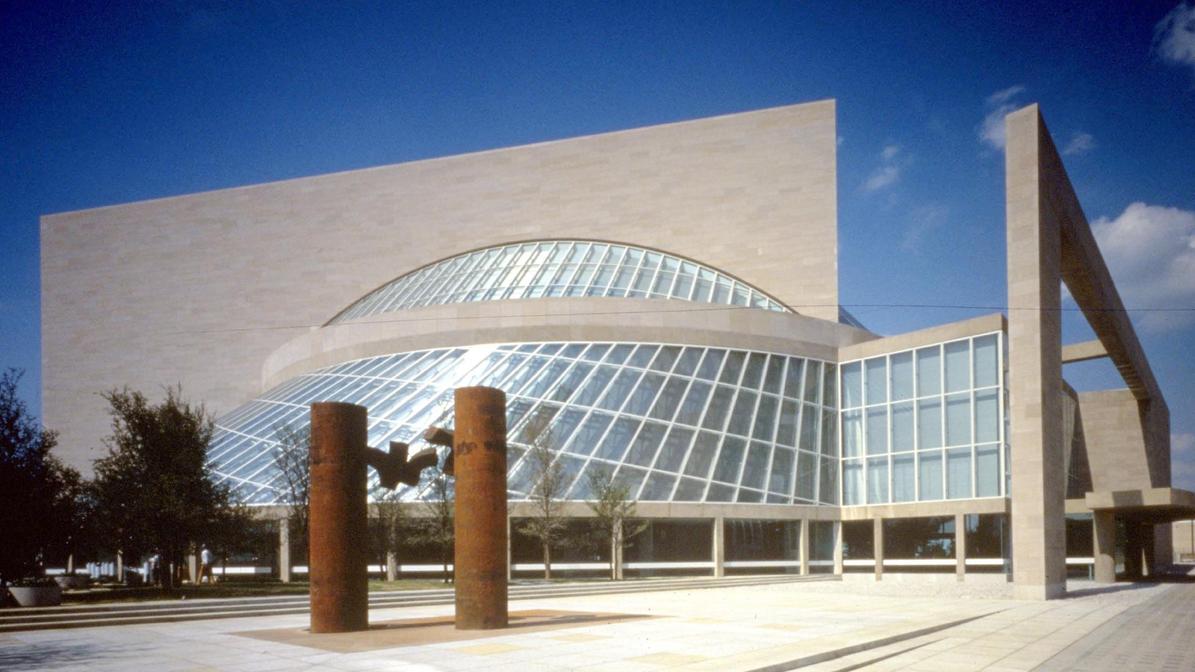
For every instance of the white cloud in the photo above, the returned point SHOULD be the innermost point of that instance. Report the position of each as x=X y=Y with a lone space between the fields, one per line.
x=888 y=173
x=1080 y=143
x=1150 y=251
x=923 y=221
x=1174 y=36
x=1000 y=103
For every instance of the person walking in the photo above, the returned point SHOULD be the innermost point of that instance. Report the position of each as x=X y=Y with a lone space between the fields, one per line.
x=205 y=565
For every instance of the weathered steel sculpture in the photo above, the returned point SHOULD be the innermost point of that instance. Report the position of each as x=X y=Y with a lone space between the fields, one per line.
x=479 y=464
x=339 y=454
x=338 y=518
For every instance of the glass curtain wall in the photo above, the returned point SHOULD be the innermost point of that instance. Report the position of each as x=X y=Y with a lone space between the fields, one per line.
x=924 y=424
x=559 y=268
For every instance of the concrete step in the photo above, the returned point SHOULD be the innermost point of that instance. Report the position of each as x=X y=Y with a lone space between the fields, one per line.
x=164 y=611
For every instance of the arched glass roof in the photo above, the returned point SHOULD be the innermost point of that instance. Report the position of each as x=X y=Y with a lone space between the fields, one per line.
x=671 y=422
x=558 y=268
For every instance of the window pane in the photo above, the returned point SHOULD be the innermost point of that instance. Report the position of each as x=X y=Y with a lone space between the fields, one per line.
x=658 y=487
x=929 y=424
x=719 y=408
x=733 y=367
x=813 y=381
x=852 y=482
x=829 y=432
x=852 y=433
x=958 y=366
x=876 y=380
x=806 y=475
x=958 y=419
x=958 y=473
x=902 y=427
x=676 y=446
x=781 y=478
x=828 y=481
x=669 y=399
x=792 y=380
x=771 y=381
x=986 y=360
x=694 y=404
x=744 y=409
x=929 y=475
x=702 y=455
x=877 y=430
x=730 y=460
x=644 y=394
x=987 y=416
x=903 y=481
x=877 y=480
x=929 y=371
x=710 y=364
x=902 y=376
x=643 y=450
x=756 y=465
x=987 y=471
x=852 y=385
x=586 y=438
x=765 y=418
x=754 y=372
x=786 y=432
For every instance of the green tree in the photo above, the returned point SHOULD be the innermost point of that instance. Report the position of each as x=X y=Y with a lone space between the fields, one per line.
x=391 y=528
x=546 y=525
x=437 y=526
x=292 y=459
x=154 y=491
x=613 y=511
x=39 y=496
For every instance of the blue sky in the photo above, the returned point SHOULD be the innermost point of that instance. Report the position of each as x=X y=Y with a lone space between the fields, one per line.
x=105 y=103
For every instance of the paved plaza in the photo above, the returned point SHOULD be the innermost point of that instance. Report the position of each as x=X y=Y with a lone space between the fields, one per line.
x=813 y=626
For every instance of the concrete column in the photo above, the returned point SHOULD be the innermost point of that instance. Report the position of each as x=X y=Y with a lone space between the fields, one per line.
x=391 y=566
x=719 y=549
x=1035 y=357
x=193 y=568
x=804 y=546
x=1132 y=550
x=284 y=570
x=838 y=547
x=338 y=561
x=1104 y=545
x=119 y=567
x=877 y=536
x=479 y=463
x=960 y=546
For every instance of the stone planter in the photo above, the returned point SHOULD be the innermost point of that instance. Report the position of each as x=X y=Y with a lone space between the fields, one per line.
x=36 y=596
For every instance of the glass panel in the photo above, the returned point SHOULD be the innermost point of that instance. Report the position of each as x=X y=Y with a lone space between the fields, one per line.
x=676 y=446
x=720 y=493
x=619 y=353
x=719 y=408
x=809 y=418
x=765 y=419
x=828 y=481
x=958 y=473
x=754 y=371
x=987 y=416
x=929 y=371
x=986 y=360
x=617 y=439
x=771 y=381
x=876 y=380
x=733 y=367
x=756 y=465
x=711 y=364
x=903 y=478
x=877 y=480
x=958 y=366
x=781 y=479
x=806 y=475
x=744 y=409
x=687 y=363
x=929 y=475
x=645 y=394
x=829 y=432
x=730 y=460
x=643 y=450
x=852 y=482
x=877 y=431
x=902 y=376
x=643 y=355
x=786 y=433
x=666 y=358
x=852 y=385
x=620 y=389
x=694 y=404
x=929 y=424
x=792 y=380
x=702 y=455
x=987 y=471
x=589 y=433
x=669 y=399
x=958 y=419
x=658 y=487
x=902 y=427
x=852 y=433
x=689 y=490
x=830 y=385
x=813 y=381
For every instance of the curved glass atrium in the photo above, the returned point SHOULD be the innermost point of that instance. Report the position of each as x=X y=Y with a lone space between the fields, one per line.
x=674 y=423
x=558 y=268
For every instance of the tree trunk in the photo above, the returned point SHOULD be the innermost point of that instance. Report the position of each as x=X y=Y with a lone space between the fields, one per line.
x=614 y=555
x=547 y=561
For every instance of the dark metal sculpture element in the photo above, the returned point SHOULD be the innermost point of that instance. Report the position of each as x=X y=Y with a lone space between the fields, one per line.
x=394 y=467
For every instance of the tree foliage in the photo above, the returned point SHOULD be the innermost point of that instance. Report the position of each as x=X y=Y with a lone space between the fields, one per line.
x=154 y=491
x=40 y=498
x=292 y=459
x=546 y=525
x=613 y=511
x=437 y=526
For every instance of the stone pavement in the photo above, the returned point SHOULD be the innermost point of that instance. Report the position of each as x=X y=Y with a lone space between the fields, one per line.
x=737 y=628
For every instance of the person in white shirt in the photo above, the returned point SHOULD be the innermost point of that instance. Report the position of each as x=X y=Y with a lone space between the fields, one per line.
x=205 y=565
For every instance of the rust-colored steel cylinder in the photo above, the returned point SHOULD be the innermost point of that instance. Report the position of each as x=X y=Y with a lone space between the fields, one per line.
x=338 y=541
x=479 y=446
